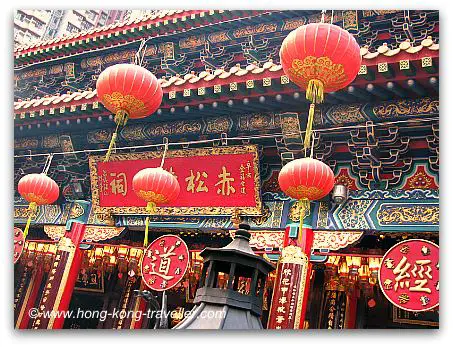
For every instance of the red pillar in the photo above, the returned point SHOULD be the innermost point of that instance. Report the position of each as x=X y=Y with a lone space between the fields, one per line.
x=61 y=280
x=140 y=307
x=351 y=308
x=30 y=298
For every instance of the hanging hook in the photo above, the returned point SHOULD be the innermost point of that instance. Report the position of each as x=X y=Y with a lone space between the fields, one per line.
x=47 y=164
x=165 y=151
x=224 y=139
x=140 y=54
x=323 y=12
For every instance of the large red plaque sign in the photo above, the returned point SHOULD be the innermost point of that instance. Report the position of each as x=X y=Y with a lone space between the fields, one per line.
x=165 y=262
x=217 y=180
x=409 y=275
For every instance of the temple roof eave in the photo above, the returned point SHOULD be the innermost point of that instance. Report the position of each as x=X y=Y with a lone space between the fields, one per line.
x=236 y=74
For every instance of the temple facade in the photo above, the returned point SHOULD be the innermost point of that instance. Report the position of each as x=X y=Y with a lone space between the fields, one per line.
x=227 y=101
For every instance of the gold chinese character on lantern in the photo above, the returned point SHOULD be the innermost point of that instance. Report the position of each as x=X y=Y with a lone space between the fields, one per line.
x=423 y=270
x=195 y=180
x=225 y=183
x=119 y=183
x=402 y=271
x=403 y=298
x=164 y=265
x=421 y=273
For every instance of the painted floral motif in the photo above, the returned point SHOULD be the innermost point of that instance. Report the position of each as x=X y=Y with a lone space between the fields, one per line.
x=352 y=214
x=117 y=101
x=341 y=114
x=335 y=240
x=407 y=107
x=418 y=214
x=421 y=180
x=313 y=68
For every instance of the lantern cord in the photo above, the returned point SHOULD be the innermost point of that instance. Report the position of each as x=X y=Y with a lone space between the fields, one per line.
x=312 y=145
x=304 y=207
x=47 y=164
x=145 y=241
x=140 y=55
x=315 y=94
x=32 y=208
x=331 y=19
x=151 y=209
x=308 y=130
x=120 y=120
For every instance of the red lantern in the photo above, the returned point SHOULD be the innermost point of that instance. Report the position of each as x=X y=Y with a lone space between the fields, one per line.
x=306 y=179
x=156 y=186
x=128 y=91
x=37 y=189
x=319 y=57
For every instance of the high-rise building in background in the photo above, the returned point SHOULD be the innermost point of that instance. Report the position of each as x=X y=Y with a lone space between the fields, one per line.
x=36 y=25
x=134 y=14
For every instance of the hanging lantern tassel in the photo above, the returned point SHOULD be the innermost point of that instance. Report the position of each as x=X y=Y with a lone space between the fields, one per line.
x=315 y=94
x=120 y=120
x=151 y=209
x=32 y=208
x=304 y=207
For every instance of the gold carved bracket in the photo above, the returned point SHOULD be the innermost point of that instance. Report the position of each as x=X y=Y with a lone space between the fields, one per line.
x=335 y=240
x=322 y=239
x=92 y=232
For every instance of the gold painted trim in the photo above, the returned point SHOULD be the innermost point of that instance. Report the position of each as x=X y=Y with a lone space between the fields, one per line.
x=411 y=321
x=179 y=211
x=300 y=299
x=92 y=232
x=293 y=255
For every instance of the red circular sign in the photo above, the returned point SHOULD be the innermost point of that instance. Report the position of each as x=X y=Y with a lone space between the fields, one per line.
x=409 y=275
x=165 y=262
x=19 y=243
